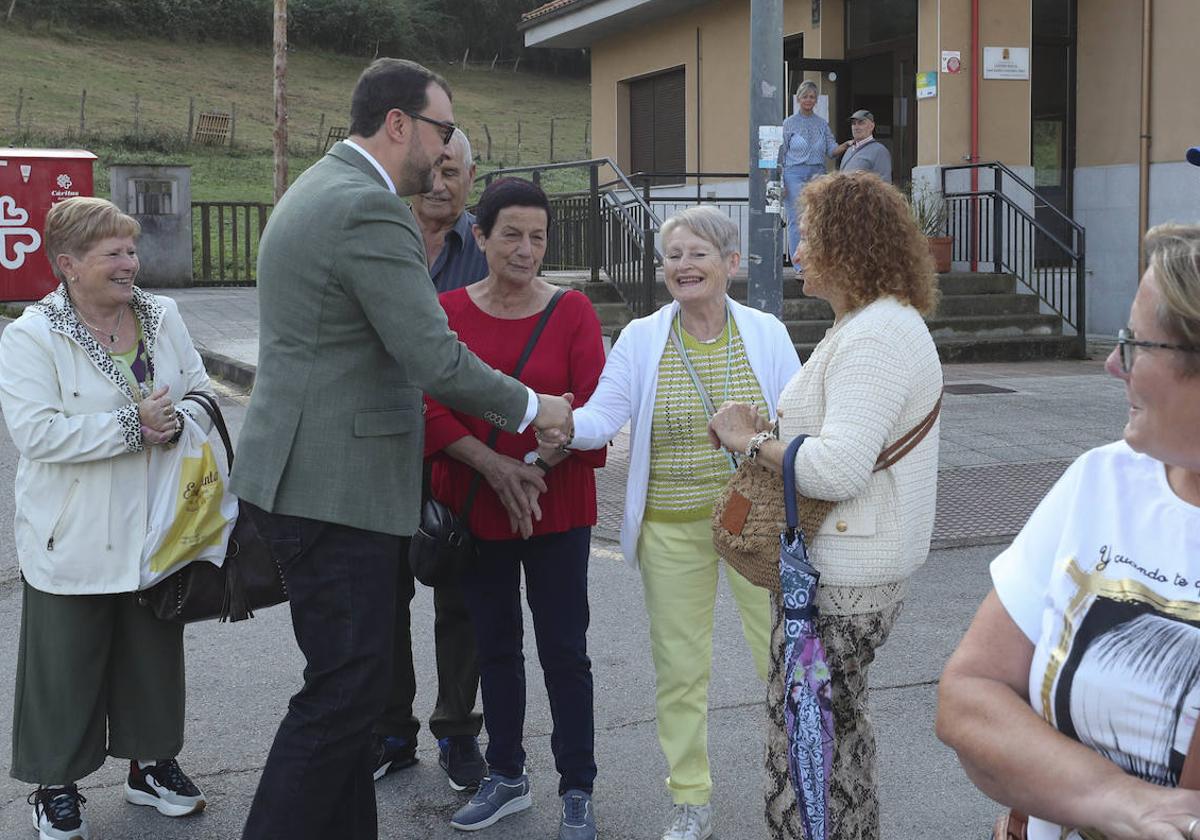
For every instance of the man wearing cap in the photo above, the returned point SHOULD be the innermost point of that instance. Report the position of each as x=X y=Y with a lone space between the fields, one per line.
x=866 y=154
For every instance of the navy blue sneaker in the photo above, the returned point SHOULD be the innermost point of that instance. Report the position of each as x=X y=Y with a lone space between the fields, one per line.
x=497 y=797
x=393 y=753
x=459 y=756
x=164 y=787
x=578 y=820
x=57 y=813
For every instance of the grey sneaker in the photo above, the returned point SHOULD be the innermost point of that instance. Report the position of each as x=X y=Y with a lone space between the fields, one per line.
x=497 y=797
x=578 y=821
x=690 y=822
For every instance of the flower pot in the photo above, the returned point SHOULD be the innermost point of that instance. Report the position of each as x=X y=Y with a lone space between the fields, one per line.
x=939 y=249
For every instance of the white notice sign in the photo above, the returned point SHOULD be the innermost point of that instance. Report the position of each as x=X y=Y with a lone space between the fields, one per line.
x=1006 y=62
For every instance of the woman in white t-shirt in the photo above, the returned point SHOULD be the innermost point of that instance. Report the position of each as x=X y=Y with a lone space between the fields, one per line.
x=1074 y=694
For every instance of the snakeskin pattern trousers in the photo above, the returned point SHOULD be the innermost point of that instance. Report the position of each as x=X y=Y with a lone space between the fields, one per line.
x=850 y=644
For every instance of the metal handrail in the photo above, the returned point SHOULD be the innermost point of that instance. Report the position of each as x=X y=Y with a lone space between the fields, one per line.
x=998 y=166
x=1021 y=211
x=488 y=177
x=1015 y=239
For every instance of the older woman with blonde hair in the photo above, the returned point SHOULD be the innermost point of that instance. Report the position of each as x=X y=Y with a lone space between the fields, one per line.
x=1073 y=697
x=873 y=380
x=89 y=376
x=665 y=373
x=807 y=142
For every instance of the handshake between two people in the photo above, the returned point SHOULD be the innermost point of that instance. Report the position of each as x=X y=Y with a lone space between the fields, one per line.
x=519 y=484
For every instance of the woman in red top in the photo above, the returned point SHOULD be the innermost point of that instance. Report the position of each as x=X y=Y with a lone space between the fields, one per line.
x=529 y=512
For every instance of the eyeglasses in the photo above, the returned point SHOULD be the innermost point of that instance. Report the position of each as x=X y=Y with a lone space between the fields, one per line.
x=446 y=127
x=1127 y=344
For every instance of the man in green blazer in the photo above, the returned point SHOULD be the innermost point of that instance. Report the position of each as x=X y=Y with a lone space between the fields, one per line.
x=329 y=459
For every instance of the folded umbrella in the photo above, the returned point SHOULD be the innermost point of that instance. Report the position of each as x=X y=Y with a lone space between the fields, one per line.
x=808 y=706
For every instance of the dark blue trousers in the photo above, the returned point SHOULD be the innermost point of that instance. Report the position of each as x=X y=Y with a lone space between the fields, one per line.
x=341 y=581
x=555 y=568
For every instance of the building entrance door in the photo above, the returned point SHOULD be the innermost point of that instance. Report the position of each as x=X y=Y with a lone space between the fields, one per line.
x=884 y=83
x=881 y=48
x=1053 y=111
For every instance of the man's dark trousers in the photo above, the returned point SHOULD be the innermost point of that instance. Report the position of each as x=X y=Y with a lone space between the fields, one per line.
x=457 y=671
x=317 y=783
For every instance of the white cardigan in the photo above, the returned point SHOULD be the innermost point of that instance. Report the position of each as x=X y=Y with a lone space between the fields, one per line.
x=81 y=492
x=629 y=384
x=874 y=376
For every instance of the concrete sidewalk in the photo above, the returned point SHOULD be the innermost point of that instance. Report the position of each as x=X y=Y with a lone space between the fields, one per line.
x=1008 y=430
x=999 y=451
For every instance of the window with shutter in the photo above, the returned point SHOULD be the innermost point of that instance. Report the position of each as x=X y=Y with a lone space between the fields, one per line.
x=657 y=122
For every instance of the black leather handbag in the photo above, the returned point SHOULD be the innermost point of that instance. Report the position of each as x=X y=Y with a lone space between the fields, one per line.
x=249 y=580
x=443 y=546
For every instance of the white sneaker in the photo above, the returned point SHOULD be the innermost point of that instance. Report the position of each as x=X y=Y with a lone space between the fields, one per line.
x=690 y=822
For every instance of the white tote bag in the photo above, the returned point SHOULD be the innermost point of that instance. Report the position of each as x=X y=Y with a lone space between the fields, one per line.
x=191 y=511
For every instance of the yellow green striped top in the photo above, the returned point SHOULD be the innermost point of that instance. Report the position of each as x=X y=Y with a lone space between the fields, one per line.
x=686 y=473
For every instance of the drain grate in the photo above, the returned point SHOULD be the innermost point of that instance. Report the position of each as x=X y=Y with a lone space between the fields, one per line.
x=972 y=388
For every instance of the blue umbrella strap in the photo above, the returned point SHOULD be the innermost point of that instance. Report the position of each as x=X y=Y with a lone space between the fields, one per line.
x=789 y=483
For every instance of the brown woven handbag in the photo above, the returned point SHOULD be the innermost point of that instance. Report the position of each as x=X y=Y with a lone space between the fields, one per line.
x=748 y=515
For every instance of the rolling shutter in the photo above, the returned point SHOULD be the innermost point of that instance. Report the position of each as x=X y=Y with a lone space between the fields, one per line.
x=657 y=123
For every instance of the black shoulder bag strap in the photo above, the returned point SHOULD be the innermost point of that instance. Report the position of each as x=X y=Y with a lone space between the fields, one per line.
x=209 y=403
x=495 y=433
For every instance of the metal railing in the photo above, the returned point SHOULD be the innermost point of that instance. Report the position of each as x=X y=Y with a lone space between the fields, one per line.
x=611 y=228
x=608 y=229
x=225 y=236
x=996 y=224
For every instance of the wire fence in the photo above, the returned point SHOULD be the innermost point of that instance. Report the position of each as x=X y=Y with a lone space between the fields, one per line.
x=140 y=121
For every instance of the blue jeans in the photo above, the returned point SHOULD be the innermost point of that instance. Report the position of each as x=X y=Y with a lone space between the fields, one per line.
x=341 y=581
x=556 y=587
x=794 y=179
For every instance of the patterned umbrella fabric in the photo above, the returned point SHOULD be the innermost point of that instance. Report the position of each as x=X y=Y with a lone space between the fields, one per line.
x=808 y=709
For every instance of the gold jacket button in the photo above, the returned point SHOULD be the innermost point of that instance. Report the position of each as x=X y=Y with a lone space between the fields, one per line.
x=841 y=526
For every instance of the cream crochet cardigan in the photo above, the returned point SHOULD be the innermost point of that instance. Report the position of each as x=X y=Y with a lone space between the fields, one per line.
x=872 y=378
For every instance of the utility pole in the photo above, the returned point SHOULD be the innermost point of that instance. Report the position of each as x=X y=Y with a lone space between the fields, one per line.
x=766 y=111
x=281 y=133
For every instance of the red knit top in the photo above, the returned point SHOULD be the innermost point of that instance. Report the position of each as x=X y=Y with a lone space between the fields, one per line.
x=568 y=357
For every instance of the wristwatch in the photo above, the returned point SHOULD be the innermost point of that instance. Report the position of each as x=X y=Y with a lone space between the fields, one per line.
x=536 y=460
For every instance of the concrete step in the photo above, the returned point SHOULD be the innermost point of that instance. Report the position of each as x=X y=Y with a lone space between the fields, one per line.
x=612 y=316
x=601 y=292
x=968 y=283
x=1003 y=349
x=955 y=305
x=981 y=326
x=994 y=326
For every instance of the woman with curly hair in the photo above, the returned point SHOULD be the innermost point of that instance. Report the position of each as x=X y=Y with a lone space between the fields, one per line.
x=872 y=380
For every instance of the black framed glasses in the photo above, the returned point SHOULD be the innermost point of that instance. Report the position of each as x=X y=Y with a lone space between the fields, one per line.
x=1128 y=345
x=447 y=128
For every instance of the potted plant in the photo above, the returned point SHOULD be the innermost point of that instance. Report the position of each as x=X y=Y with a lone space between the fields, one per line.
x=929 y=212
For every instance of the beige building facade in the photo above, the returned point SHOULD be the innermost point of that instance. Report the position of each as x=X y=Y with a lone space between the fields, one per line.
x=1053 y=89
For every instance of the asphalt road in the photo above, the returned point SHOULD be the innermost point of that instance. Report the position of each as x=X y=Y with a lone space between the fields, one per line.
x=240 y=676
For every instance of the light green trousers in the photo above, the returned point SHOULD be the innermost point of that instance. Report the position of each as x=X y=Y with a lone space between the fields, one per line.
x=679 y=573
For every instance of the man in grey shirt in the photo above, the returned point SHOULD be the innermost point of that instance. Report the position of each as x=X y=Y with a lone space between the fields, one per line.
x=866 y=154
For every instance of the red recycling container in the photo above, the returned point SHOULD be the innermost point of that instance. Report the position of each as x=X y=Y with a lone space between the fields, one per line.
x=31 y=182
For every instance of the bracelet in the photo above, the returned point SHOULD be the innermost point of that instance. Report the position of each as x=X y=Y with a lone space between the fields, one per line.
x=756 y=443
x=178 y=428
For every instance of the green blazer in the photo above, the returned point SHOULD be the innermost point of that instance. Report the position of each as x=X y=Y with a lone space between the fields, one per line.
x=350 y=336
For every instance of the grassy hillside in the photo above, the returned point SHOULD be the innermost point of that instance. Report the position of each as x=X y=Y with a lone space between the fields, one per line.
x=48 y=71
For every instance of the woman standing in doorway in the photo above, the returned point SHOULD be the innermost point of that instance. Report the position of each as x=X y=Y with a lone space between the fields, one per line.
x=807 y=141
